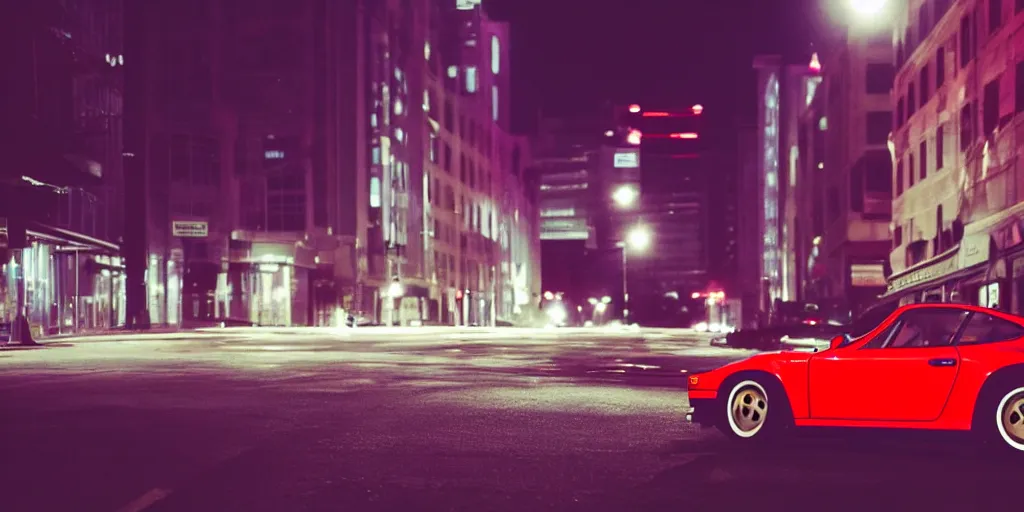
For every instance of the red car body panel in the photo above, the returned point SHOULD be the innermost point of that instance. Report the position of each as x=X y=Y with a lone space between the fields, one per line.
x=922 y=387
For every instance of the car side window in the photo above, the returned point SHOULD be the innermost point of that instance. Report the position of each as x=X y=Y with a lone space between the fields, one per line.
x=985 y=328
x=919 y=328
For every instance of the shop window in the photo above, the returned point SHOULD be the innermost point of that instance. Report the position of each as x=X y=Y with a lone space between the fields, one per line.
x=988 y=296
x=985 y=328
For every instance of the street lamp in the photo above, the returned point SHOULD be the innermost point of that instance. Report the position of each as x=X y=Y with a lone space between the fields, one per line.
x=638 y=239
x=625 y=196
x=867 y=7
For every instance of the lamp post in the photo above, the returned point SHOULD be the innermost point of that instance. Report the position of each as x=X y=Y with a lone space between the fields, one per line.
x=638 y=239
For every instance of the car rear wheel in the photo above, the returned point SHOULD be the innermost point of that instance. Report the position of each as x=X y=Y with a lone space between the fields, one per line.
x=754 y=410
x=1009 y=419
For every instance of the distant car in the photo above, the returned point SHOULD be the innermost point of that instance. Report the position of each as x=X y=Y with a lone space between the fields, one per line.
x=926 y=366
x=775 y=337
x=807 y=335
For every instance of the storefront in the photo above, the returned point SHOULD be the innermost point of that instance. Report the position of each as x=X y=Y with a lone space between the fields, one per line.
x=67 y=283
x=1008 y=238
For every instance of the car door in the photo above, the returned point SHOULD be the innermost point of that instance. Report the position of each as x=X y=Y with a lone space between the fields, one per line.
x=904 y=373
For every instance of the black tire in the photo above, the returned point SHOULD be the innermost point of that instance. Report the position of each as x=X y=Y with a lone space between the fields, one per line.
x=999 y=418
x=753 y=409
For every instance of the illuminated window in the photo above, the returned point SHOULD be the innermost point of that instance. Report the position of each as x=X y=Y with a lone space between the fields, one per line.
x=494 y=102
x=426 y=100
x=375 y=192
x=376 y=156
x=471 y=79
x=453 y=71
x=495 y=55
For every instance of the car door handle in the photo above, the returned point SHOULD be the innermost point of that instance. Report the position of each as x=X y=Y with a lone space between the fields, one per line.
x=942 y=362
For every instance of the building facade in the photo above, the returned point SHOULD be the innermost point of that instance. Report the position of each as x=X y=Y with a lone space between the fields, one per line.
x=674 y=207
x=957 y=100
x=845 y=158
x=350 y=169
x=786 y=88
x=60 y=212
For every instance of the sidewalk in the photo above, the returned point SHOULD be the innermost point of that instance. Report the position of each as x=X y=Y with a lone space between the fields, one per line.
x=95 y=333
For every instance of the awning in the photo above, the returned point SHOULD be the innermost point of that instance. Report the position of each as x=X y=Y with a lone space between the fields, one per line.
x=68 y=237
x=938 y=280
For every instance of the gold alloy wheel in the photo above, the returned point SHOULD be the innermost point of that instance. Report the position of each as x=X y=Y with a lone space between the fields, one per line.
x=1013 y=417
x=750 y=406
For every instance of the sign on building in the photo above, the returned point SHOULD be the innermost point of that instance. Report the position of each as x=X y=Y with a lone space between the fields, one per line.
x=190 y=228
x=627 y=160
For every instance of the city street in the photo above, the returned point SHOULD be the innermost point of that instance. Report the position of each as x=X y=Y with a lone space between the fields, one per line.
x=427 y=419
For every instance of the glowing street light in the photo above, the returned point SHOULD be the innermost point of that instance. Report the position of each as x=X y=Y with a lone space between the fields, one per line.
x=867 y=7
x=639 y=238
x=625 y=196
x=634 y=108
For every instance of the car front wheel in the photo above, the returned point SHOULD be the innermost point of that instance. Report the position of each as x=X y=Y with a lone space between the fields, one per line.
x=754 y=410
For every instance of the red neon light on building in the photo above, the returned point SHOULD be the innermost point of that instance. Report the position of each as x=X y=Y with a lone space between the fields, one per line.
x=687 y=135
x=655 y=114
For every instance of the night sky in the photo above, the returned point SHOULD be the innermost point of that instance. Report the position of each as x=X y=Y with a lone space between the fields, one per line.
x=570 y=55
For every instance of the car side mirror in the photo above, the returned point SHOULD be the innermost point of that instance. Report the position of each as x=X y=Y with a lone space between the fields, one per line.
x=836 y=342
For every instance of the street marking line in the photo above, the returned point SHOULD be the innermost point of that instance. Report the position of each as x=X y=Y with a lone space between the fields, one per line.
x=146 y=500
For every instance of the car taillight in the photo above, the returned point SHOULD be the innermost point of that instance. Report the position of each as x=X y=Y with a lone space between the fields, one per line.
x=811 y=322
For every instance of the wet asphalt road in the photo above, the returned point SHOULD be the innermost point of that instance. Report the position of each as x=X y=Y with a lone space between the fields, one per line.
x=296 y=420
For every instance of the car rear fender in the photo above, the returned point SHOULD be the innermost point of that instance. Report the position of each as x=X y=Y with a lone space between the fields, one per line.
x=994 y=384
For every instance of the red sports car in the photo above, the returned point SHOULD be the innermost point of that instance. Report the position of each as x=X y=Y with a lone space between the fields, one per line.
x=926 y=366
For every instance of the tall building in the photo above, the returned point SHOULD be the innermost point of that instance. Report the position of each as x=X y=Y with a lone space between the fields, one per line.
x=958 y=96
x=750 y=225
x=786 y=86
x=847 y=131
x=674 y=206
x=60 y=212
x=567 y=161
x=355 y=164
